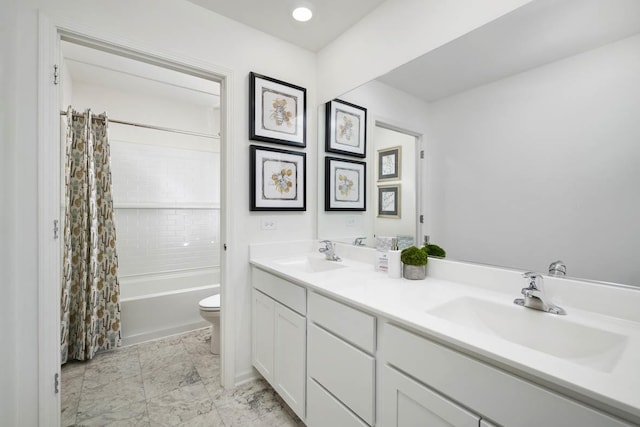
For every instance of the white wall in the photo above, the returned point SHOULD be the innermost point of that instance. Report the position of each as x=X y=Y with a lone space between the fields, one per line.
x=8 y=317
x=543 y=166
x=395 y=33
x=179 y=28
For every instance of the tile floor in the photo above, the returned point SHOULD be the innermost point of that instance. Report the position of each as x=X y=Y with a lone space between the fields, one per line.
x=173 y=381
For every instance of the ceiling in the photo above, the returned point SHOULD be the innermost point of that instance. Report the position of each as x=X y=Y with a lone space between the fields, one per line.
x=330 y=17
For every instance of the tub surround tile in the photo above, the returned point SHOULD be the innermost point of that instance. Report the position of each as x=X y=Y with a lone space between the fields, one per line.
x=169 y=378
x=179 y=406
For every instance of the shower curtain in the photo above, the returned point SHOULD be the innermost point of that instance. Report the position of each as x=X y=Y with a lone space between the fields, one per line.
x=90 y=297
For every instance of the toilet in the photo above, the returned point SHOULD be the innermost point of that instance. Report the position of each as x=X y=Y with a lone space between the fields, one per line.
x=210 y=311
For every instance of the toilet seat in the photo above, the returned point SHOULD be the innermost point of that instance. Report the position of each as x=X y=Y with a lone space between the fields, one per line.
x=211 y=303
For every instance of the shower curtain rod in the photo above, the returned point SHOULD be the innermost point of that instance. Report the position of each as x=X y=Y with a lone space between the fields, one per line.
x=140 y=125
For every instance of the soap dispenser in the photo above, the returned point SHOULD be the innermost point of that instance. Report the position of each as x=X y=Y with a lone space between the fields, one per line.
x=395 y=265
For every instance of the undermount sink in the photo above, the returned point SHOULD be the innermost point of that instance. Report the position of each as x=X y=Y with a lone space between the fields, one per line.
x=309 y=264
x=581 y=344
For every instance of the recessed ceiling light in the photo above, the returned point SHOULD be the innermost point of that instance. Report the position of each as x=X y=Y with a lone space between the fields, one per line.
x=302 y=14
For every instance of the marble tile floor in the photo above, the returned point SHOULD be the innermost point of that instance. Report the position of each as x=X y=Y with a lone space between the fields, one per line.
x=173 y=381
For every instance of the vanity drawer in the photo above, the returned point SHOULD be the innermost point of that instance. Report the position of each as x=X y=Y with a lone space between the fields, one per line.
x=325 y=410
x=483 y=387
x=352 y=325
x=345 y=371
x=290 y=295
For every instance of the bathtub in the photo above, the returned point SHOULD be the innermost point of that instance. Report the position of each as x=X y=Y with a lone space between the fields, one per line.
x=159 y=305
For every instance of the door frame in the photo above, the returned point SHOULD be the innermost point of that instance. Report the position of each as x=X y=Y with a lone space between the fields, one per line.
x=49 y=172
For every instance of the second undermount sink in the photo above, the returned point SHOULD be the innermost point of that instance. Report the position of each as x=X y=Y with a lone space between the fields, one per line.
x=585 y=345
x=310 y=264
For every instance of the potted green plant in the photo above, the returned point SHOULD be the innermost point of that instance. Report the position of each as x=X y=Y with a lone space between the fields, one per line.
x=434 y=250
x=414 y=263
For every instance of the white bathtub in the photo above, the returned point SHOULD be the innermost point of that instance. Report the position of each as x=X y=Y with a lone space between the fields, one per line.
x=155 y=306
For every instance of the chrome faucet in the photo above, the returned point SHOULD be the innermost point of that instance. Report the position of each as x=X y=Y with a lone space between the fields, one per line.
x=557 y=268
x=329 y=251
x=534 y=296
x=359 y=241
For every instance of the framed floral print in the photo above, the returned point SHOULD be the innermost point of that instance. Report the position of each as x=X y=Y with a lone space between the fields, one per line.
x=346 y=128
x=345 y=185
x=278 y=179
x=277 y=111
x=389 y=201
x=389 y=165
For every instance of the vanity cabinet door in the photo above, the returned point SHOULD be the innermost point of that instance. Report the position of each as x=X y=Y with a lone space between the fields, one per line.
x=263 y=334
x=407 y=403
x=290 y=343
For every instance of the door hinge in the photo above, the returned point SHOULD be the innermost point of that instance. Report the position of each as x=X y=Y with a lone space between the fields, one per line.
x=56 y=383
x=56 y=229
x=224 y=246
x=422 y=154
x=421 y=219
x=55 y=75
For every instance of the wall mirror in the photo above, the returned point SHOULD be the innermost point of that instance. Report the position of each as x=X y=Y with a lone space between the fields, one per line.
x=530 y=130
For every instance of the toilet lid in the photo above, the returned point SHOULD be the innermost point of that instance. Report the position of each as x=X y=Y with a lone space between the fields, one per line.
x=210 y=303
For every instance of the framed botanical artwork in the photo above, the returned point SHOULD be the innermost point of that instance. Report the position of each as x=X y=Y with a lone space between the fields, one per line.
x=389 y=163
x=277 y=111
x=345 y=185
x=278 y=179
x=346 y=128
x=389 y=201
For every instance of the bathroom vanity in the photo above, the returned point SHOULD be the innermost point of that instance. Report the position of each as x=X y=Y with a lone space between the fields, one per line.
x=345 y=345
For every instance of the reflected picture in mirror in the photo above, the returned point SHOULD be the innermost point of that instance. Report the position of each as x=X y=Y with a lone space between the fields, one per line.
x=389 y=201
x=389 y=166
x=345 y=185
x=346 y=128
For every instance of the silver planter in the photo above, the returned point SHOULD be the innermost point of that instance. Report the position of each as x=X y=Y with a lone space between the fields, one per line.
x=414 y=272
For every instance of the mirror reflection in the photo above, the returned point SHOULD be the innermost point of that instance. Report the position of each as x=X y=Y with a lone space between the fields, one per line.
x=531 y=152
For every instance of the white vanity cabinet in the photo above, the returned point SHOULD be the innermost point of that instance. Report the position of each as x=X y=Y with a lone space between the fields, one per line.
x=340 y=364
x=279 y=336
x=407 y=403
x=421 y=378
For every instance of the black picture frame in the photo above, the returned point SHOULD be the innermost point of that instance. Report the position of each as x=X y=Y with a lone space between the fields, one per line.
x=345 y=185
x=277 y=111
x=278 y=180
x=390 y=163
x=346 y=128
x=389 y=201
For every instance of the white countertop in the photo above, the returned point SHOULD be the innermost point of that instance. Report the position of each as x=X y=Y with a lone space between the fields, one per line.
x=407 y=302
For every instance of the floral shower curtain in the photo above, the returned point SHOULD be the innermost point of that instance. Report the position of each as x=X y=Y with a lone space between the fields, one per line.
x=90 y=299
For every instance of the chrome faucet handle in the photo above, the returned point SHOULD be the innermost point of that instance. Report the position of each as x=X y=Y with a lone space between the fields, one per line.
x=558 y=268
x=533 y=277
x=328 y=246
